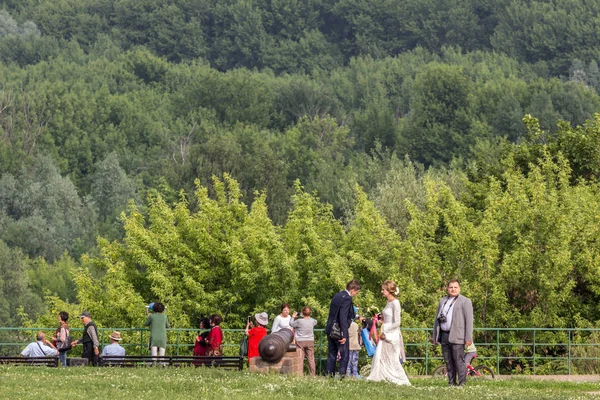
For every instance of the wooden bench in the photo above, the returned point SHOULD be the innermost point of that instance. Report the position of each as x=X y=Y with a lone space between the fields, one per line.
x=48 y=361
x=235 y=363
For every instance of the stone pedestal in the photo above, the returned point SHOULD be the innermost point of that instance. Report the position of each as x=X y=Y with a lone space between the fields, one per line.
x=291 y=363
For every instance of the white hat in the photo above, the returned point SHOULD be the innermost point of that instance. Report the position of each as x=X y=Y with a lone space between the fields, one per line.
x=262 y=318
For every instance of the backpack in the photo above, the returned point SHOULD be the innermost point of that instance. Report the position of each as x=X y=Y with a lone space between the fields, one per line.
x=244 y=347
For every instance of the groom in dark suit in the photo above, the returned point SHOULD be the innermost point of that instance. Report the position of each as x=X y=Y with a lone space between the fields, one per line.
x=341 y=310
x=453 y=328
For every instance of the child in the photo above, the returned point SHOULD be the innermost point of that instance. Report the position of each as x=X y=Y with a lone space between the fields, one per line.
x=367 y=338
x=470 y=354
x=353 y=335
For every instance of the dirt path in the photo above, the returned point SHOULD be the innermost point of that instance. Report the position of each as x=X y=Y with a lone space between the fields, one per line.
x=559 y=378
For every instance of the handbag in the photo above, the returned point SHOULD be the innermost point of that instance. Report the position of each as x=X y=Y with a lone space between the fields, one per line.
x=336 y=332
x=215 y=352
x=244 y=347
x=65 y=345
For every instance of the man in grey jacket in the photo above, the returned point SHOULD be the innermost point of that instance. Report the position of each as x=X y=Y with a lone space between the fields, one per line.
x=453 y=328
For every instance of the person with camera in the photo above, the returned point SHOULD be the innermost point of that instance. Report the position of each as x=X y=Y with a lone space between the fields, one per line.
x=256 y=333
x=453 y=328
x=341 y=313
x=158 y=323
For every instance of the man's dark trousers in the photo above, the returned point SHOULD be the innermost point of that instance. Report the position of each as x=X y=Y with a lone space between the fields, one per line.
x=88 y=352
x=454 y=357
x=332 y=350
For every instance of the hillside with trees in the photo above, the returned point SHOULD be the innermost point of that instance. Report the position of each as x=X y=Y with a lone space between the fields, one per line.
x=229 y=156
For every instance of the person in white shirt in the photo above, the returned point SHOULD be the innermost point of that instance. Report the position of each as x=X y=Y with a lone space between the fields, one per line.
x=41 y=348
x=114 y=348
x=282 y=320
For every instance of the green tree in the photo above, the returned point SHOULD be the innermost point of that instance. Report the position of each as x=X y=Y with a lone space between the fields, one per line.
x=315 y=239
x=535 y=214
x=317 y=151
x=55 y=279
x=42 y=213
x=240 y=38
x=173 y=29
x=556 y=32
x=111 y=190
x=14 y=287
x=10 y=27
x=441 y=115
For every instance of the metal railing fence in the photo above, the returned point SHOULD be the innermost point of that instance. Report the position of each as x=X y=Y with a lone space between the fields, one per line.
x=507 y=350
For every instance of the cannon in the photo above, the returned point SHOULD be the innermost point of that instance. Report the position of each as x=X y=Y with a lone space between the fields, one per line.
x=273 y=347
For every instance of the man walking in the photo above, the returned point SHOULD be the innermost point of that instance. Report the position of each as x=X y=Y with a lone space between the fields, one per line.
x=453 y=328
x=91 y=345
x=341 y=310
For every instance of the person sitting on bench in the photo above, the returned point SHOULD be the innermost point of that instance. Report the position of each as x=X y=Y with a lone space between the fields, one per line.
x=114 y=348
x=41 y=348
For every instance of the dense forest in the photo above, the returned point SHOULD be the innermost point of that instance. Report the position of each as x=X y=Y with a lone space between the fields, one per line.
x=229 y=156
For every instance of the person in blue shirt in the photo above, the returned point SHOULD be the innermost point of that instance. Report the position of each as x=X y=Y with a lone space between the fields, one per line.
x=114 y=348
x=41 y=348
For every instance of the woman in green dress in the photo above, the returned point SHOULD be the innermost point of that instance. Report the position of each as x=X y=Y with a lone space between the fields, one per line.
x=158 y=323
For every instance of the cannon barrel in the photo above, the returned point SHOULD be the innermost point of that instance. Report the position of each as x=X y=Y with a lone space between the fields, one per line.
x=273 y=347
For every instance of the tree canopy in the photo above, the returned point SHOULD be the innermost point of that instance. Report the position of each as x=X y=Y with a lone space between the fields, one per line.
x=230 y=156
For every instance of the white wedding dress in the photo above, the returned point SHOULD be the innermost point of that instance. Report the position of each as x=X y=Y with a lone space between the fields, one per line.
x=386 y=361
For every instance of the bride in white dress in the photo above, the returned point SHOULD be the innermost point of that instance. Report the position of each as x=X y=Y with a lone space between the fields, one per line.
x=386 y=361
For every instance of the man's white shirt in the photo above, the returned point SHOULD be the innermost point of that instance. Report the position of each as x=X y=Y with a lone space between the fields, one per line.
x=38 y=349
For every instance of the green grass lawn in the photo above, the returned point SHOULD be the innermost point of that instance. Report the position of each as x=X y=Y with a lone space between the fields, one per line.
x=201 y=383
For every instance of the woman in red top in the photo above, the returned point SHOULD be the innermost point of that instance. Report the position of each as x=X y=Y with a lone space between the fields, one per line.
x=215 y=337
x=256 y=333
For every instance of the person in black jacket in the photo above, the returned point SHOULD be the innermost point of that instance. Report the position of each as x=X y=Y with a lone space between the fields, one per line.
x=341 y=310
x=91 y=345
